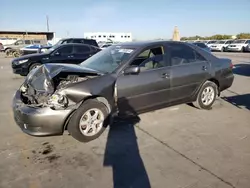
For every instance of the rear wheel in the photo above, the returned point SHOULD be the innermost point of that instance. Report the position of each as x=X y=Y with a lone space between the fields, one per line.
x=89 y=121
x=16 y=53
x=206 y=96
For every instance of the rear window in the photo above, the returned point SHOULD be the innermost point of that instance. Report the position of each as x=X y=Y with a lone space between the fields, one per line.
x=202 y=45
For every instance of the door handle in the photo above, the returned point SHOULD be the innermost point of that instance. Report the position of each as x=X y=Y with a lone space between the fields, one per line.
x=165 y=75
x=204 y=68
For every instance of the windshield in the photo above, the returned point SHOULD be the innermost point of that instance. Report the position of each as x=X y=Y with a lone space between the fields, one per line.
x=109 y=59
x=50 y=49
x=220 y=42
x=239 y=41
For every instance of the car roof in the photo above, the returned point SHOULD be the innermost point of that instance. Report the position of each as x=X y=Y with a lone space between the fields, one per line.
x=76 y=44
x=76 y=38
x=146 y=43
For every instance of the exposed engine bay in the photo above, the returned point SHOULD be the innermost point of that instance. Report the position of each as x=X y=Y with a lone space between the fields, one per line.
x=40 y=89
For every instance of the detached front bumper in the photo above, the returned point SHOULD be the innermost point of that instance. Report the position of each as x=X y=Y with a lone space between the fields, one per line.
x=38 y=121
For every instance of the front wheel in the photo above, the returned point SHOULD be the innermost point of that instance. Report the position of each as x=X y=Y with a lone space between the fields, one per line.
x=222 y=49
x=33 y=66
x=89 y=121
x=206 y=96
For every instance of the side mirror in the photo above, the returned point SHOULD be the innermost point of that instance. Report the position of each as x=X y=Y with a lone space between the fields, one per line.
x=131 y=70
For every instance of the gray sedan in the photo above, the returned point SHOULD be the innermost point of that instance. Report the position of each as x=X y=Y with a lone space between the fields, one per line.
x=128 y=78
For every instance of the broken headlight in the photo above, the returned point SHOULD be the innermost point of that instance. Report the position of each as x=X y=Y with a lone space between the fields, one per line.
x=58 y=101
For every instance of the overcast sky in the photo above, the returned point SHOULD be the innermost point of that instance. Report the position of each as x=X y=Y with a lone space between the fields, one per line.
x=146 y=19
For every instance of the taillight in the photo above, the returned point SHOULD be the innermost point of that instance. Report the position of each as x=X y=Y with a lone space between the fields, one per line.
x=231 y=65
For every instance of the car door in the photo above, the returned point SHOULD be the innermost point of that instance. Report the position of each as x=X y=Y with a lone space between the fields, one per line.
x=81 y=53
x=64 y=54
x=149 y=88
x=189 y=69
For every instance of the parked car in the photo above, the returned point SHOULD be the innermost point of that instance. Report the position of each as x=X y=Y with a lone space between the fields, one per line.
x=71 y=40
x=21 y=44
x=65 y=53
x=202 y=45
x=210 y=43
x=30 y=49
x=239 y=45
x=221 y=45
x=129 y=78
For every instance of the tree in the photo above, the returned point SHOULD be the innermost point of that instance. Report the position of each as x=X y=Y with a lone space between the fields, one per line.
x=214 y=37
x=243 y=36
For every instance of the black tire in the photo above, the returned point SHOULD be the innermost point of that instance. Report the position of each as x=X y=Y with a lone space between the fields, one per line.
x=223 y=49
x=8 y=52
x=16 y=54
x=198 y=103
x=73 y=125
x=34 y=65
x=242 y=49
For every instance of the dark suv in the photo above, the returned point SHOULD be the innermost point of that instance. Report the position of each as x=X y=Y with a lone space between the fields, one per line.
x=78 y=40
x=91 y=42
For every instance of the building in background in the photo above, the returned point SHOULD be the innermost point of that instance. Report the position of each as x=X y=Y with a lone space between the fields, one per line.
x=176 y=34
x=109 y=37
x=9 y=37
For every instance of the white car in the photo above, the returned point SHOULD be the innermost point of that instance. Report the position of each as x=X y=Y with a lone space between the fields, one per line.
x=221 y=45
x=210 y=43
x=240 y=45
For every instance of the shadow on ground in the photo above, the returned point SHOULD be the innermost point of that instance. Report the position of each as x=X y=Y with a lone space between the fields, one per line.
x=240 y=101
x=242 y=69
x=122 y=154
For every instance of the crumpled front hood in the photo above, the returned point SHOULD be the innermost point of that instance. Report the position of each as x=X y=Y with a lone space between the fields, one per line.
x=54 y=69
x=41 y=78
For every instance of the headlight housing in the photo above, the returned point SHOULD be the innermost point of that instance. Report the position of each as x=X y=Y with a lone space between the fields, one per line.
x=23 y=61
x=58 y=101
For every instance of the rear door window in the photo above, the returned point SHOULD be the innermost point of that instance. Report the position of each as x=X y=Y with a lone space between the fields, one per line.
x=65 y=50
x=181 y=54
x=81 y=49
x=27 y=42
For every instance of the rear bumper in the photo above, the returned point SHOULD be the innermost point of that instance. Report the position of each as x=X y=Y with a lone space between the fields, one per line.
x=38 y=121
x=227 y=82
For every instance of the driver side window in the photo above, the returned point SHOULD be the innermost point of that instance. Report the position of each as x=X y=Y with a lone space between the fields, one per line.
x=150 y=59
x=66 y=50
